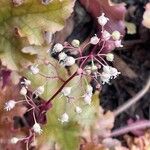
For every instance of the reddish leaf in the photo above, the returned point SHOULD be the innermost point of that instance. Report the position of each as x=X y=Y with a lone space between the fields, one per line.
x=115 y=12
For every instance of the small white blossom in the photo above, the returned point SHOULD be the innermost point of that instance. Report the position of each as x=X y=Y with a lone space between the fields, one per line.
x=109 y=73
x=34 y=69
x=88 y=70
x=102 y=20
x=94 y=67
x=89 y=89
x=106 y=69
x=26 y=82
x=106 y=35
x=62 y=56
x=64 y=118
x=37 y=128
x=87 y=98
x=14 y=140
x=66 y=91
x=58 y=48
x=40 y=90
x=118 y=43
x=94 y=40
x=109 y=57
x=78 y=110
x=114 y=72
x=23 y=91
x=75 y=43
x=105 y=77
x=9 y=105
x=69 y=61
x=116 y=35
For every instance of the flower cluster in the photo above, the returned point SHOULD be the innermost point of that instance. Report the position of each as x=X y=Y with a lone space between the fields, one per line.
x=94 y=64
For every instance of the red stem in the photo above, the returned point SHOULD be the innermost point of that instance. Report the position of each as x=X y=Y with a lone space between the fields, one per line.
x=60 y=89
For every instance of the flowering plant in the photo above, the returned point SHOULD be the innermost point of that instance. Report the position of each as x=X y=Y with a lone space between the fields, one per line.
x=54 y=86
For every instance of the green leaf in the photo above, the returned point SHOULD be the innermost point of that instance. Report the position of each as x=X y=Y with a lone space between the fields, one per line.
x=26 y=24
x=67 y=136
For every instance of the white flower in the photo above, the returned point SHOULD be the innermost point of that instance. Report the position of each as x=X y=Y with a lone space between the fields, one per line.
x=109 y=73
x=94 y=40
x=37 y=128
x=118 y=43
x=114 y=72
x=64 y=118
x=116 y=35
x=66 y=91
x=23 y=91
x=62 y=56
x=14 y=140
x=105 y=77
x=69 y=61
x=88 y=70
x=102 y=20
x=9 y=105
x=106 y=35
x=58 y=48
x=78 y=110
x=87 y=98
x=89 y=89
x=106 y=69
x=109 y=57
x=40 y=90
x=75 y=43
x=26 y=82
x=34 y=69
x=94 y=67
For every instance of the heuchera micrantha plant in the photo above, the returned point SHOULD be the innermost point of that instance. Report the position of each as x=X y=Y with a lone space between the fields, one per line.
x=93 y=64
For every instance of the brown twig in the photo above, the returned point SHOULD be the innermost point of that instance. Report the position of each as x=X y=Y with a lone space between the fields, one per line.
x=129 y=128
x=133 y=100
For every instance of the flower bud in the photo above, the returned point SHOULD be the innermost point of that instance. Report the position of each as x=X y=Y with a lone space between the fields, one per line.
x=78 y=110
x=109 y=57
x=9 y=105
x=88 y=70
x=23 y=91
x=75 y=43
x=94 y=40
x=66 y=91
x=94 y=68
x=87 y=99
x=69 y=61
x=62 y=56
x=89 y=89
x=34 y=69
x=116 y=35
x=102 y=20
x=36 y=128
x=79 y=71
x=40 y=90
x=64 y=118
x=106 y=35
x=14 y=140
x=58 y=48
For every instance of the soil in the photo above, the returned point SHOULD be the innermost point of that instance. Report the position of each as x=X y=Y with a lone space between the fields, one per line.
x=136 y=55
